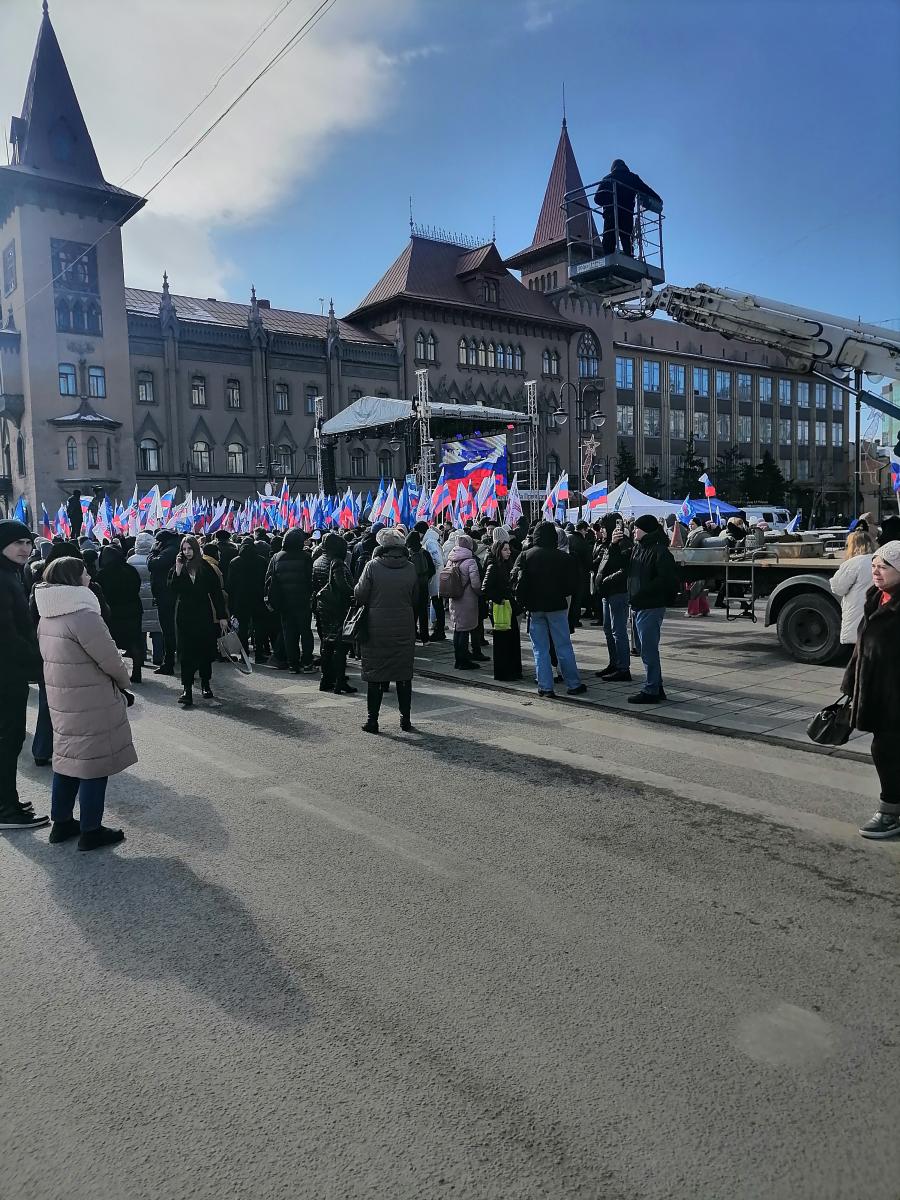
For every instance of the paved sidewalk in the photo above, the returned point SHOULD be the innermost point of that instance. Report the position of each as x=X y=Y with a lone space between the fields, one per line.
x=729 y=677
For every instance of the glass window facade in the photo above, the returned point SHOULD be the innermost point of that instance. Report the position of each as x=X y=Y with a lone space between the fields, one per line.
x=765 y=431
x=651 y=422
x=651 y=375
x=837 y=434
x=701 y=381
x=803 y=393
x=784 y=391
x=723 y=427
x=744 y=385
x=676 y=379
x=624 y=373
x=745 y=428
x=625 y=420
x=723 y=385
x=676 y=422
x=701 y=425
x=765 y=389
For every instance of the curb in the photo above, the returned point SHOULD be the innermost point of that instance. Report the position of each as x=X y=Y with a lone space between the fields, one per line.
x=660 y=719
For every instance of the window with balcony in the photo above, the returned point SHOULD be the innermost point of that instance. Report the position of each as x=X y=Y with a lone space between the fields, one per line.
x=68 y=380
x=145 y=387
x=233 y=394
x=198 y=392
x=676 y=379
x=97 y=382
x=624 y=373
x=701 y=381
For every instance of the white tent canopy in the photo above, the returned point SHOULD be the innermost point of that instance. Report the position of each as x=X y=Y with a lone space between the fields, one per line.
x=370 y=412
x=627 y=500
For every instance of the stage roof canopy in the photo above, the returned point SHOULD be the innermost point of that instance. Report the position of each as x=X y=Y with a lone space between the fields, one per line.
x=375 y=412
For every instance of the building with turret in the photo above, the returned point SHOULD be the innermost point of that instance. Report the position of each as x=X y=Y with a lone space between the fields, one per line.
x=104 y=387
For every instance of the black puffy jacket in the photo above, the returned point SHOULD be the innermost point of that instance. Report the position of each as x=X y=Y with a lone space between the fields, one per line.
x=611 y=560
x=544 y=577
x=289 y=577
x=20 y=659
x=652 y=576
x=331 y=603
x=160 y=564
x=246 y=581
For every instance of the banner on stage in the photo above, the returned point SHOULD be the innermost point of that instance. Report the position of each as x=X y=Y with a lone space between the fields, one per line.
x=470 y=460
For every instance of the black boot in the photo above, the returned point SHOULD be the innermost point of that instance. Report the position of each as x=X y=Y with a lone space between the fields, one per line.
x=61 y=831
x=95 y=839
x=186 y=699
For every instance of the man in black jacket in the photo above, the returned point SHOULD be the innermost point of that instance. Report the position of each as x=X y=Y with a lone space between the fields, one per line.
x=580 y=553
x=611 y=585
x=160 y=562
x=652 y=581
x=289 y=594
x=20 y=662
x=543 y=579
x=616 y=195
x=75 y=513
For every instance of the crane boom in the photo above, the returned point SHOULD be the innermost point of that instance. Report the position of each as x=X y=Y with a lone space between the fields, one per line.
x=807 y=338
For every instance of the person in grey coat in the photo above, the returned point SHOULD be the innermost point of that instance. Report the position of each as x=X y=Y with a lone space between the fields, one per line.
x=389 y=588
x=143 y=548
x=464 y=610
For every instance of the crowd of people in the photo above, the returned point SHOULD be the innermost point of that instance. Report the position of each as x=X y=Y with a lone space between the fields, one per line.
x=72 y=613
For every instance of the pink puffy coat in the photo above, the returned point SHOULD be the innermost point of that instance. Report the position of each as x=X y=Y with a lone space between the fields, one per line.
x=85 y=676
x=464 y=611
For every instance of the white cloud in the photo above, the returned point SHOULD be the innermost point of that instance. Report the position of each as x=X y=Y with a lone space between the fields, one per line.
x=139 y=67
x=538 y=15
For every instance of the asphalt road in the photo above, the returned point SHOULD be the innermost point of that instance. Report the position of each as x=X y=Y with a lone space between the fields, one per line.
x=528 y=951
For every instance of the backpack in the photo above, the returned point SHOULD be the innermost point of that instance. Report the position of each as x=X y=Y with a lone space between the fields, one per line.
x=424 y=564
x=451 y=583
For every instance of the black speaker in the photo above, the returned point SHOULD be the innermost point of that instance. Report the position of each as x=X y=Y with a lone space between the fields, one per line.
x=329 y=481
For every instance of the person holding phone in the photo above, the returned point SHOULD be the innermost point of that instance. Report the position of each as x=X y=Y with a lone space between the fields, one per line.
x=200 y=617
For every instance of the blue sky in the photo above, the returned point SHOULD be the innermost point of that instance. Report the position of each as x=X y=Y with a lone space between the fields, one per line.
x=770 y=129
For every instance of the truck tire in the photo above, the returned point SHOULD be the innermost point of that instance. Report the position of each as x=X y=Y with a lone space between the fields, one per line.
x=809 y=628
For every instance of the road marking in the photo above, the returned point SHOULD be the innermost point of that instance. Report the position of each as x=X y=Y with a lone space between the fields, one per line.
x=384 y=834
x=790 y=818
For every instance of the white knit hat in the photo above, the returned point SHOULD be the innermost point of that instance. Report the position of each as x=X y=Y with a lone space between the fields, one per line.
x=889 y=553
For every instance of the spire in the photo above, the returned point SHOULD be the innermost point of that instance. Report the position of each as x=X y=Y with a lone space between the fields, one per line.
x=51 y=136
x=168 y=317
x=258 y=334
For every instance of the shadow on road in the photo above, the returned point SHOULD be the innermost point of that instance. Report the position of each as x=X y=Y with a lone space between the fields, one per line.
x=154 y=919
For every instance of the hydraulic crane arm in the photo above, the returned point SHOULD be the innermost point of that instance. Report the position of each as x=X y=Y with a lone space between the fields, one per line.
x=807 y=338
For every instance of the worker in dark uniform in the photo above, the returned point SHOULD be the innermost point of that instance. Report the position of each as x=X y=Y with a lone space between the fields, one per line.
x=75 y=513
x=616 y=196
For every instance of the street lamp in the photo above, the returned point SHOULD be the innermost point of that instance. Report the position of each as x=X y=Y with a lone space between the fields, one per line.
x=319 y=409
x=596 y=419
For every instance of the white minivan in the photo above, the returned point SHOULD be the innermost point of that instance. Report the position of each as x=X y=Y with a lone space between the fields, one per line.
x=775 y=518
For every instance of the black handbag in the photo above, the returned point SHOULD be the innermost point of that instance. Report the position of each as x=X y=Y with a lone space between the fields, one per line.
x=356 y=626
x=831 y=726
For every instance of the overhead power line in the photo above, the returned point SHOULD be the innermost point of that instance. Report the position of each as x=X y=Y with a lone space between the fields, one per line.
x=293 y=41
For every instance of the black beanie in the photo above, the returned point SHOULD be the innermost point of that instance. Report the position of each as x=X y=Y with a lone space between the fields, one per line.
x=13 y=531
x=647 y=523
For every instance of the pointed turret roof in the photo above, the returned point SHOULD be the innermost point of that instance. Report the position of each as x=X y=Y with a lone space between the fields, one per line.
x=51 y=135
x=50 y=140
x=550 y=231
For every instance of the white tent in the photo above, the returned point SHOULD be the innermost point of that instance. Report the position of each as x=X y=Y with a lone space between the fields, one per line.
x=627 y=500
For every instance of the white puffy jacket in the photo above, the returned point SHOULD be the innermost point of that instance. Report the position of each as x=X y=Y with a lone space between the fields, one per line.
x=850 y=582
x=432 y=544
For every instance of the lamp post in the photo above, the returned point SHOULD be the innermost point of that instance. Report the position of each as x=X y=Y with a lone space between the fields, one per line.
x=596 y=420
x=319 y=404
x=422 y=413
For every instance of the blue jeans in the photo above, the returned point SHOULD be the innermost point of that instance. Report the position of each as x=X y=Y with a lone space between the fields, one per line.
x=615 y=626
x=42 y=745
x=648 y=623
x=90 y=793
x=541 y=627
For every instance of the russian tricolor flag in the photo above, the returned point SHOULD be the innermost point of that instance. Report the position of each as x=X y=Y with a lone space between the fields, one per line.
x=597 y=494
x=895 y=473
x=708 y=490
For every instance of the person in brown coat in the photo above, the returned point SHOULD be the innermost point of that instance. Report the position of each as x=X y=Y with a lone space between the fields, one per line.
x=872 y=681
x=389 y=587
x=87 y=693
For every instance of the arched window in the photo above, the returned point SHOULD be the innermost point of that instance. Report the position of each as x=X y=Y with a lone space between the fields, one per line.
x=545 y=362
x=20 y=454
x=94 y=320
x=385 y=464
x=431 y=348
x=236 y=458
x=358 y=464
x=79 y=317
x=233 y=393
x=72 y=454
x=63 y=316
x=543 y=283
x=554 y=279
x=531 y=285
x=97 y=382
x=510 y=358
x=148 y=454
x=201 y=458
x=588 y=357
x=471 y=353
x=482 y=355
x=554 y=363
x=284 y=460
x=518 y=358
x=145 y=387
x=420 y=345
x=461 y=352
x=68 y=382
x=491 y=356
x=93 y=455
x=501 y=357
x=109 y=465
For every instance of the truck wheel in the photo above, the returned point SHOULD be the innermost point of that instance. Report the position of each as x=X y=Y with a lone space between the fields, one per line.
x=809 y=628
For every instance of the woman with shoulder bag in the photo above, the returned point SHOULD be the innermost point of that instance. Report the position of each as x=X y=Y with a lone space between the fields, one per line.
x=200 y=616
x=87 y=694
x=498 y=591
x=872 y=681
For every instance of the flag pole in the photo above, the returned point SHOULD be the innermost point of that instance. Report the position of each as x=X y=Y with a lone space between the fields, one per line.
x=709 y=505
